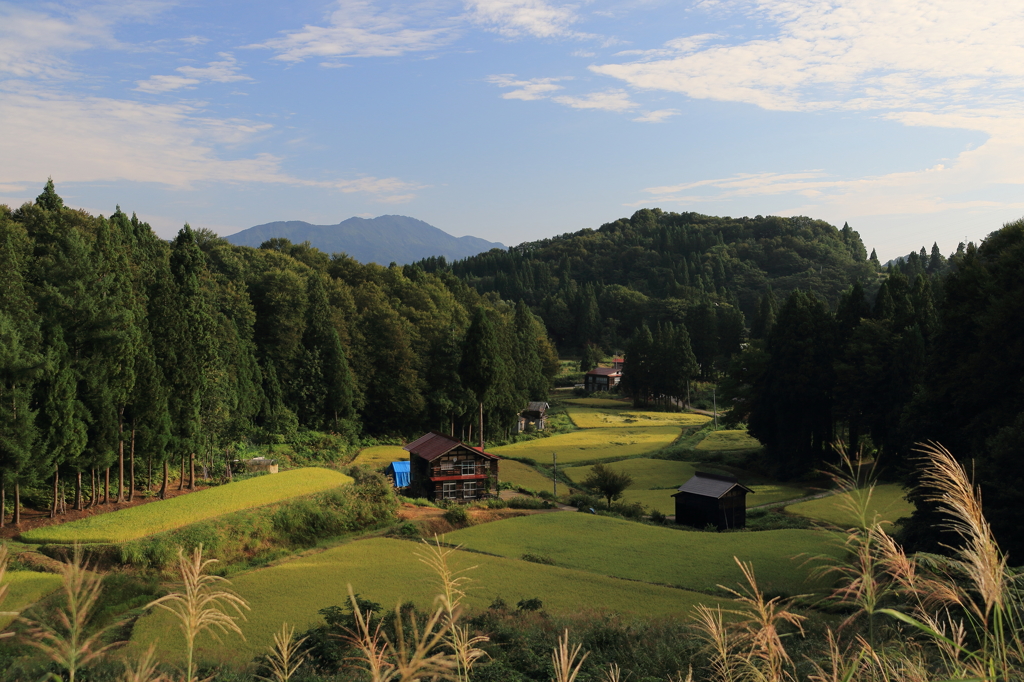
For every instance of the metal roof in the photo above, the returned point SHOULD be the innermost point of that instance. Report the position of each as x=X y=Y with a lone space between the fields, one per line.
x=536 y=407
x=605 y=371
x=432 y=445
x=710 y=485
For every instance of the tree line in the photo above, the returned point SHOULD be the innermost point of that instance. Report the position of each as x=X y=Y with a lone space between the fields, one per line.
x=118 y=348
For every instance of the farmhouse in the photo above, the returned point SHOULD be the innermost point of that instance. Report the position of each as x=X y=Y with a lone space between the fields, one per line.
x=602 y=378
x=443 y=468
x=712 y=499
x=536 y=413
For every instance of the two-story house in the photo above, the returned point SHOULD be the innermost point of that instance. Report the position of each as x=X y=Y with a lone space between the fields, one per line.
x=444 y=468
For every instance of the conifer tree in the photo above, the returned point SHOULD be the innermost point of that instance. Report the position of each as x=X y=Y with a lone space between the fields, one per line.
x=326 y=383
x=480 y=367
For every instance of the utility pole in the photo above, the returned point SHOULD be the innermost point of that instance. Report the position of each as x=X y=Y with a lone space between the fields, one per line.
x=714 y=401
x=554 y=472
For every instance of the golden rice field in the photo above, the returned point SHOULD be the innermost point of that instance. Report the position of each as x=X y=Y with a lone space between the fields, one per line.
x=728 y=440
x=522 y=475
x=591 y=418
x=653 y=554
x=157 y=517
x=25 y=588
x=887 y=502
x=600 y=402
x=593 y=444
x=388 y=571
x=379 y=456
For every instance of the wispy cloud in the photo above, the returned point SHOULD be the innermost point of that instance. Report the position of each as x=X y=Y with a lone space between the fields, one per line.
x=656 y=116
x=224 y=71
x=358 y=29
x=608 y=100
x=515 y=18
x=532 y=89
x=89 y=139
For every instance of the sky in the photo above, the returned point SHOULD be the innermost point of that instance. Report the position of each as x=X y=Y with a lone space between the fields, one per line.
x=516 y=120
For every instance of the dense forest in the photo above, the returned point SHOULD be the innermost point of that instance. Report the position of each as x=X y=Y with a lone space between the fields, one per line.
x=117 y=346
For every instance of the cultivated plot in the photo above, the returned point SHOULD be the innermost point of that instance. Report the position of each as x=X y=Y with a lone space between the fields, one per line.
x=600 y=402
x=593 y=444
x=26 y=588
x=736 y=439
x=688 y=559
x=887 y=502
x=522 y=475
x=388 y=571
x=591 y=418
x=157 y=517
x=379 y=456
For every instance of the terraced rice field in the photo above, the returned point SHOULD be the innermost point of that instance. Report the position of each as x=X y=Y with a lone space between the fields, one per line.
x=887 y=502
x=26 y=588
x=593 y=444
x=158 y=517
x=728 y=440
x=522 y=475
x=379 y=456
x=591 y=418
x=692 y=560
x=600 y=402
x=387 y=571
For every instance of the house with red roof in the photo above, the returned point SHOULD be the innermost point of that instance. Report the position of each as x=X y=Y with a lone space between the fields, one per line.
x=443 y=468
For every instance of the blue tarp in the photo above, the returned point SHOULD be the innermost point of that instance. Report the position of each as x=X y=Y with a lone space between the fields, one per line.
x=401 y=473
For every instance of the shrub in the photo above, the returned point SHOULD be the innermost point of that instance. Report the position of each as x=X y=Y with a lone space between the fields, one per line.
x=634 y=510
x=534 y=604
x=457 y=515
x=546 y=495
x=528 y=503
x=657 y=517
x=496 y=503
x=538 y=559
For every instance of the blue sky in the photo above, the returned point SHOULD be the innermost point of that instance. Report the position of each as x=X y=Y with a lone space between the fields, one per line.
x=515 y=120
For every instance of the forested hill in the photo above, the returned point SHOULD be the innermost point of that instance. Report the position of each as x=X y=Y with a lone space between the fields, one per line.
x=383 y=240
x=599 y=285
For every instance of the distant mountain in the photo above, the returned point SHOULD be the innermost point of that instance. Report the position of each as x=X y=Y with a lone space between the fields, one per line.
x=383 y=240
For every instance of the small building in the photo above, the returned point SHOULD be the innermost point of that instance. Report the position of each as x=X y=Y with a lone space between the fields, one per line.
x=261 y=464
x=443 y=468
x=398 y=474
x=713 y=499
x=602 y=379
x=536 y=413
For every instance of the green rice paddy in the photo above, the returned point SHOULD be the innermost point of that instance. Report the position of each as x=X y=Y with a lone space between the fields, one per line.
x=600 y=402
x=652 y=554
x=157 y=517
x=25 y=588
x=379 y=456
x=887 y=502
x=387 y=571
x=593 y=444
x=590 y=418
x=522 y=475
x=728 y=440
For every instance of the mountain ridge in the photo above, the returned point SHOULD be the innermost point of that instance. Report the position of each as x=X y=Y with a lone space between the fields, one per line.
x=385 y=239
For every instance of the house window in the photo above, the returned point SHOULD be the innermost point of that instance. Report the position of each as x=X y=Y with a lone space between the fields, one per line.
x=469 y=490
x=468 y=467
x=447 y=464
x=448 y=491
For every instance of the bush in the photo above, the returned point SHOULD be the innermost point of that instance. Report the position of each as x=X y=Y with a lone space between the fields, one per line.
x=658 y=517
x=457 y=515
x=582 y=500
x=538 y=559
x=528 y=503
x=407 y=529
x=634 y=511
x=496 y=503
x=546 y=495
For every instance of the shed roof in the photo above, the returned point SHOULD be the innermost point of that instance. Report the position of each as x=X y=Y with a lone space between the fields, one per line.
x=605 y=371
x=536 y=407
x=432 y=445
x=710 y=485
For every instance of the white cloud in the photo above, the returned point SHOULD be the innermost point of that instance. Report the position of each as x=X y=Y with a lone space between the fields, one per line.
x=515 y=18
x=90 y=139
x=532 y=89
x=31 y=42
x=656 y=116
x=224 y=71
x=195 y=40
x=609 y=100
x=357 y=29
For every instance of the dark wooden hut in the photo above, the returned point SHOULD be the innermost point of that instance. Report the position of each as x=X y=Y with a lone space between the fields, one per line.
x=443 y=468
x=536 y=413
x=712 y=499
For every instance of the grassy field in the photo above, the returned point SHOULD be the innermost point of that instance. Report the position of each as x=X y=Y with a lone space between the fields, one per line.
x=590 y=418
x=886 y=501
x=593 y=444
x=25 y=588
x=728 y=440
x=388 y=572
x=600 y=402
x=624 y=549
x=379 y=456
x=157 y=517
x=522 y=475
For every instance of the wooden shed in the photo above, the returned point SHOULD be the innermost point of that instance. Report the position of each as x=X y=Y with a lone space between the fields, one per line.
x=713 y=499
x=443 y=468
x=536 y=413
